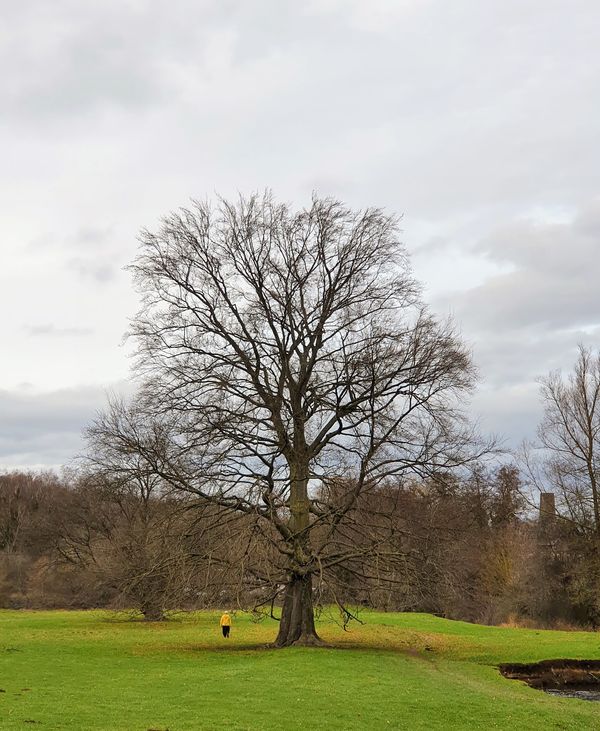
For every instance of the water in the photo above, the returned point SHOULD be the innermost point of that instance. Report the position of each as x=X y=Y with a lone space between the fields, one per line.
x=583 y=695
x=562 y=677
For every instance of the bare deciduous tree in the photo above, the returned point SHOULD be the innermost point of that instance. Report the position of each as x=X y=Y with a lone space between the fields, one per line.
x=569 y=435
x=124 y=528
x=29 y=504
x=285 y=354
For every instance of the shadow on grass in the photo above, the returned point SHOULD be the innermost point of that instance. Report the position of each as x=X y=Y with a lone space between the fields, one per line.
x=123 y=616
x=425 y=654
x=232 y=648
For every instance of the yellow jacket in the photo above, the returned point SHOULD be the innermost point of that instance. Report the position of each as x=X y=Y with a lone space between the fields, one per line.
x=225 y=620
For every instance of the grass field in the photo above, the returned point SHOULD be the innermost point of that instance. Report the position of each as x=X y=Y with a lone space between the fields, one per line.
x=87 y=671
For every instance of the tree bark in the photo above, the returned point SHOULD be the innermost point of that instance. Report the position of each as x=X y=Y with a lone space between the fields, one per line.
x=297 y=626
x=299 y=503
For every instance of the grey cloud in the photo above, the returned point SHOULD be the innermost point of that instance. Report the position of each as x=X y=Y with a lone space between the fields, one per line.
x=98 y=257
x=72 y=59
x=510 y=412
x=91 y=237
x=445 y=107
x=528 y=319
x=509 y=359
x=552 y=282
x=433 y=246
x=100 y=271
x=528 y=298
x=508 y=401
x=45 y=428
x=567 y=248
x=85 y=237
x=51 y=330
x=90 y=252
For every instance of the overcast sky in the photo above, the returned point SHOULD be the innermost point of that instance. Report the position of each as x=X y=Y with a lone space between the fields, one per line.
x=477 y=120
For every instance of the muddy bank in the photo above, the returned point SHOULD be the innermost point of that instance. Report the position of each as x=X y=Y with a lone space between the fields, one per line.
x=572 y=678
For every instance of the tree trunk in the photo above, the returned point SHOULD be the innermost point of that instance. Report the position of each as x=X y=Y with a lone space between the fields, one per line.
x=297 y=626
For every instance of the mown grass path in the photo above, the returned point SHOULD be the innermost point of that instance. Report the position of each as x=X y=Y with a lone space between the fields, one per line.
x=86 y=671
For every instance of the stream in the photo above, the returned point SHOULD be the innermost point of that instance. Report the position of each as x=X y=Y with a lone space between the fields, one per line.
x=566 y=678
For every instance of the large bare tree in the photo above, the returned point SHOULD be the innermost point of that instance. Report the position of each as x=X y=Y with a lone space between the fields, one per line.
x=294 y=369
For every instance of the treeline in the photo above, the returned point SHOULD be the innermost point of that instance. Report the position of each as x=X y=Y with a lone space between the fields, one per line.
x=469 y=548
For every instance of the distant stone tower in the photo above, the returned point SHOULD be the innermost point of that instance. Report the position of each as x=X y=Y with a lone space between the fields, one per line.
x=547 y=509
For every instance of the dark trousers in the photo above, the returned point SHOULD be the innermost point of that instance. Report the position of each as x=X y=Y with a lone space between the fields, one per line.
x=225 y=629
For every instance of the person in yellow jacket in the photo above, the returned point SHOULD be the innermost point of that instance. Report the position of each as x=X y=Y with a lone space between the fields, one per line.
x=226 y=624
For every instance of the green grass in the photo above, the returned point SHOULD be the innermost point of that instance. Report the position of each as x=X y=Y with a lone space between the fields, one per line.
x=86 y=671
